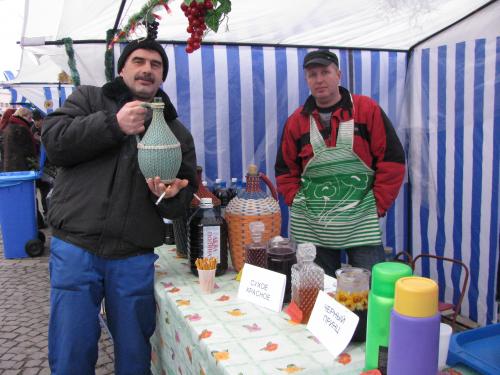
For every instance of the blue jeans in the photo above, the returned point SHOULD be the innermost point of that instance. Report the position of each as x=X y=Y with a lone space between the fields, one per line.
x=79 y=281
x=361 y=256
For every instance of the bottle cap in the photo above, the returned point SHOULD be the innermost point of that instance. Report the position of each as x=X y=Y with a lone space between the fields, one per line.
x=416 y=297
x=306 y=251
x=234 y=179
x=275 y=240
x=252 y=170
x=256 y=230
x=218 y=180
x=385 y=275
x=206 y=203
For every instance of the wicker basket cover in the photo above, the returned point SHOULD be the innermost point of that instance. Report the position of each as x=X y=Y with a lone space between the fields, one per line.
x=159 y=152
x=251 y=205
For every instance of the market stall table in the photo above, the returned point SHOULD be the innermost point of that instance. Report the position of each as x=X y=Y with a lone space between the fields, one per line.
x=219 y=334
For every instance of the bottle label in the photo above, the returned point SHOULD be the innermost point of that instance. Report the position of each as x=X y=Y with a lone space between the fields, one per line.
x=211 y=242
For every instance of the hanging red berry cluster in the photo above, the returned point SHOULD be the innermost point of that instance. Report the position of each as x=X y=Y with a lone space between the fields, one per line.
x=195 y=13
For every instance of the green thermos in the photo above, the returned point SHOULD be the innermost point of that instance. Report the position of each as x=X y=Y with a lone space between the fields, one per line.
x=380 y=304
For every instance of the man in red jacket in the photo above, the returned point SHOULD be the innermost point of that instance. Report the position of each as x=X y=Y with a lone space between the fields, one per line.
x=340 y=166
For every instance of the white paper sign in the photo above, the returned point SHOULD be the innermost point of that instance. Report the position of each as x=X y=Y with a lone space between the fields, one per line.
x=332 y=323
x=262 y=287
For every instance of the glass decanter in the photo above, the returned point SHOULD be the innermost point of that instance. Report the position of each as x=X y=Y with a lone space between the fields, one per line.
x=256 y=252
x=307 y=280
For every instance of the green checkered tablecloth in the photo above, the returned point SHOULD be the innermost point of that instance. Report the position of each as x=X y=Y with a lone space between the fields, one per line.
x=218 y=334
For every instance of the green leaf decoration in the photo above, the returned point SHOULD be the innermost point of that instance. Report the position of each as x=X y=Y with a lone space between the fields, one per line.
x=225 y=6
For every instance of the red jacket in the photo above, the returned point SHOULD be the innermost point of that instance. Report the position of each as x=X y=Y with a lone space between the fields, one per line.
x=375 y=142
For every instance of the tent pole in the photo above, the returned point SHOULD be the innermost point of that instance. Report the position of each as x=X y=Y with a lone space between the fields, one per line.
x=119 y=15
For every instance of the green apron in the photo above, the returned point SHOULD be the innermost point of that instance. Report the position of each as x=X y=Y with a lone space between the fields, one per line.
x=335 y=206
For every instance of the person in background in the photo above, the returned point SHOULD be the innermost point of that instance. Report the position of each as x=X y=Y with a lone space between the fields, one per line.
x=6 y=117
x=3 y=123
x=103 y=215
x=339 y=166
x=19 y=151
x=36 y=128
x=44 y=183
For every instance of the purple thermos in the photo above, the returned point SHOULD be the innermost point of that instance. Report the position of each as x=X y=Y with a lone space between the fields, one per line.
x=414 y=330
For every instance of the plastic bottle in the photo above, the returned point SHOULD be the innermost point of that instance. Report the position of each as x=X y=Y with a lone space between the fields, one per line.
x=380 y=303
x=415 y=321
x=256 y=252
x=307 y=280
x=181 y=227
x=207 y=236
x=233 y=188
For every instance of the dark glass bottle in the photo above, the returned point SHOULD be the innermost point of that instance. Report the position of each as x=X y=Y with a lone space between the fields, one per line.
x=207 y=236
x=202 y=192
x=222 y=193
x=280 y=258
x=169 y=232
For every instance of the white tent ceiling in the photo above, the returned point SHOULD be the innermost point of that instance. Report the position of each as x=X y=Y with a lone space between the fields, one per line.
x=379 y=24
x=376 y=24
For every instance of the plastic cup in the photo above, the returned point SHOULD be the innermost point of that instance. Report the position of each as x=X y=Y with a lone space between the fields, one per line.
x=207 y=280
x=445 y=332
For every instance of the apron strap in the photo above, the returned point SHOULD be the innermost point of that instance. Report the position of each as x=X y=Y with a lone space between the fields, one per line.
x=316 y=139
x=346 y=134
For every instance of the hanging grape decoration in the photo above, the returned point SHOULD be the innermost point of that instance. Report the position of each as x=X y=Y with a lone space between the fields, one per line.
x=203 y=14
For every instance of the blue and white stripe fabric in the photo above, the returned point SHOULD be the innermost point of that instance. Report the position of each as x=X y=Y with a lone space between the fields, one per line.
x=454 y=166
x=236 y=99
x=46 y=98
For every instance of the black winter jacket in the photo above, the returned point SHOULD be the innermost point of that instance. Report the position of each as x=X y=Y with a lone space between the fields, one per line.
x=101 y=201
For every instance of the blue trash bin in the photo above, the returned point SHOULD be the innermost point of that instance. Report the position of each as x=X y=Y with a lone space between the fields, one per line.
x=18 y=215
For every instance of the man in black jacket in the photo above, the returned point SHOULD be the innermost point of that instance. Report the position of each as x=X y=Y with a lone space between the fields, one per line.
x=103 y=215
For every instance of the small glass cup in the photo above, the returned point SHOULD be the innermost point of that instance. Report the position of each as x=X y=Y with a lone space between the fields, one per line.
x=207 y=280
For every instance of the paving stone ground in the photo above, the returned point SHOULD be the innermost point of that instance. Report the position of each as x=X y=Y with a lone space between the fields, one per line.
x=24 y=315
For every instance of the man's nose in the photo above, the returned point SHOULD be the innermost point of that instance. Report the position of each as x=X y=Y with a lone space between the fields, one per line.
x=147 y=67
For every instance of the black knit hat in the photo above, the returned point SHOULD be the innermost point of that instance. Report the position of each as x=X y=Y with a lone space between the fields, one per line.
x=321 y=57
x=144 y=44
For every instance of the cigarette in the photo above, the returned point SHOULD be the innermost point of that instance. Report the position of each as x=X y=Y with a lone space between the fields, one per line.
x=161 y=197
